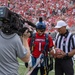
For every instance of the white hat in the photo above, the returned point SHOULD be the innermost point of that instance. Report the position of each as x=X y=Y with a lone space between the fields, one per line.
x=60 y=24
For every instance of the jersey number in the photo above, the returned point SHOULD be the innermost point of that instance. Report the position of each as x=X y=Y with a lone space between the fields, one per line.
x=39 y=46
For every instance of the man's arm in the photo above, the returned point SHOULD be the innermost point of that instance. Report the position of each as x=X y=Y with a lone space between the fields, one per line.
x=25 y=43
x=71 y=53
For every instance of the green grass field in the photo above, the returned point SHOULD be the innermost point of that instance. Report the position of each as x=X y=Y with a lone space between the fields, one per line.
x=22 y=69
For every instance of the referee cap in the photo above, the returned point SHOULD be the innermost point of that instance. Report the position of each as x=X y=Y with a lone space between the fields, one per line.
x=60 y=24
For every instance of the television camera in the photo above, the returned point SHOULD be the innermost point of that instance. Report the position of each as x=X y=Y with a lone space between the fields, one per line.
x=11 y=22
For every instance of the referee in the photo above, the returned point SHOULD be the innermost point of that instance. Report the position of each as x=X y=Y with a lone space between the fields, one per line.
x=65 y=41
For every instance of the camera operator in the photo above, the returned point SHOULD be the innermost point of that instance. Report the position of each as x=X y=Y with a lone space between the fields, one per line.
x=12 y=47
x=13 y=41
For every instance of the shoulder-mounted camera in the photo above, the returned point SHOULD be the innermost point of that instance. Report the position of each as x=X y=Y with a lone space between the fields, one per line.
x=12 y=22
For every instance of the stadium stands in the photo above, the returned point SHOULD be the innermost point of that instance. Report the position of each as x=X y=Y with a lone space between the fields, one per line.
x=51 y=10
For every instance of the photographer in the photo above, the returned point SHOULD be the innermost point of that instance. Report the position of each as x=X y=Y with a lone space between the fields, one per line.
x=12 y=47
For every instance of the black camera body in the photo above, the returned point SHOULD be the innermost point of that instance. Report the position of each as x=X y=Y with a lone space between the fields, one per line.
x=11 y=22
x=5 y=13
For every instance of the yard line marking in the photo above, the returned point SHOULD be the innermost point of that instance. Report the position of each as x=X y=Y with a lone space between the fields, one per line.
x=52 y=71
x=21 y=63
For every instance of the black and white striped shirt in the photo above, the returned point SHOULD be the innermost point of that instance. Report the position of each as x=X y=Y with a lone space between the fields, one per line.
x=65 y=42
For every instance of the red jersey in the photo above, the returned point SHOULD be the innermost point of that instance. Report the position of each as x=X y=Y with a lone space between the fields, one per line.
x=39 y=44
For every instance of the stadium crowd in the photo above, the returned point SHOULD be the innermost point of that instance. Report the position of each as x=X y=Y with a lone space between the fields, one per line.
x=56 y=14
x=51 y=10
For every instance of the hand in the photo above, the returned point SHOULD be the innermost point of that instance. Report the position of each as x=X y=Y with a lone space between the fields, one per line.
x=26 y=34
x=53 y=53
x=57 y=53
x=61 y=54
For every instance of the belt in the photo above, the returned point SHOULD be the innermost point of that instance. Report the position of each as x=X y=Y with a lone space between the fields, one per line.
x=64 y=58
